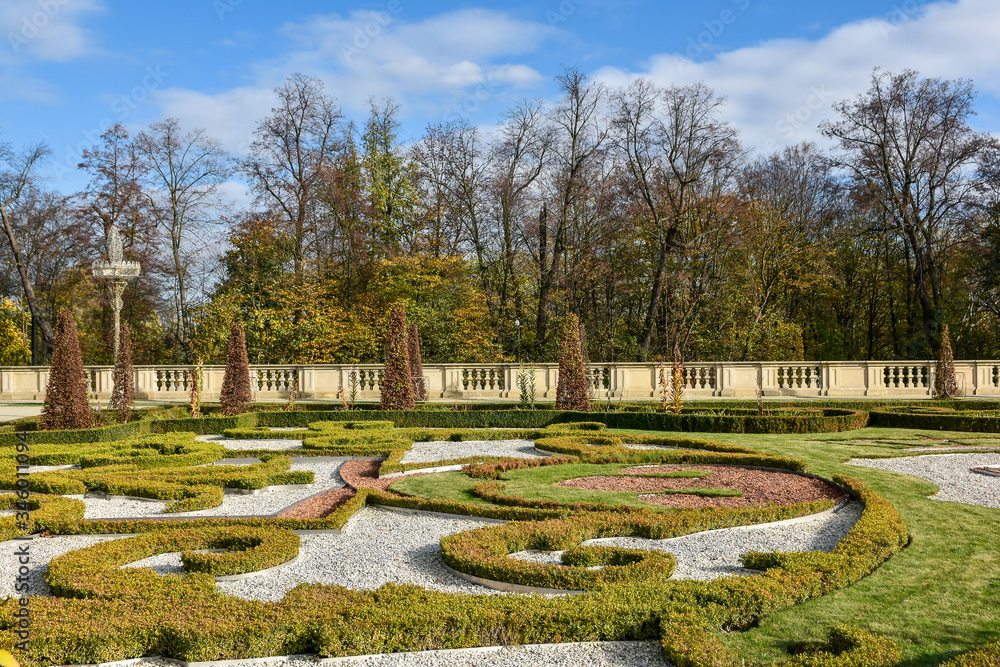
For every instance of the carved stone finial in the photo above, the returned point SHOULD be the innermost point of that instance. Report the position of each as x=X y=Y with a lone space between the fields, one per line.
x=115 y=253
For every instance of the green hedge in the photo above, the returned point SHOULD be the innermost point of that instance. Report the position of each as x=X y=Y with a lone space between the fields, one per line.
x=94 y=572
x=484 y=552
x=984 y=656
x=186 y=618
x=977 y=421
x=849 y=647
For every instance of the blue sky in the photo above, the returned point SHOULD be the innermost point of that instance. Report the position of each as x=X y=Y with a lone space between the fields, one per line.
x=68 y=68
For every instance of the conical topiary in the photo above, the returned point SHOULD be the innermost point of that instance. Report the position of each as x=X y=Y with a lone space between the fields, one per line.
x=123 y=393
x=66 y=404
x=236 y=396
x=416 y=364
x=396 y=386
x=945 y=381
x=571 y=391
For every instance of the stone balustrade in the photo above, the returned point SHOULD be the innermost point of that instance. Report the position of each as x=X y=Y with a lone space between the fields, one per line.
x=847 y=379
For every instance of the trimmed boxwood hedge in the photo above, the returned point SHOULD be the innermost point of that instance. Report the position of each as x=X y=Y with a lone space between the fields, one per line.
x=987 y=655
x=849 y=647
x=187 y=619
x=94 y=572
x=929 y=418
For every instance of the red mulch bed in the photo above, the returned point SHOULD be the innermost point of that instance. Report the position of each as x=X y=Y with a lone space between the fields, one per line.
x=759 y=487
x=320 y=505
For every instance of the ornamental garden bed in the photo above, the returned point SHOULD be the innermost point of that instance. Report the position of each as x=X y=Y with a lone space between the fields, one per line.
x=629 y=596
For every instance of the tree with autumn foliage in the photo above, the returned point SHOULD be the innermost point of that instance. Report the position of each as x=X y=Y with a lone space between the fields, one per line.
x=396 y=385
x=571 y=391
x=236 y=395
x=123 y=393
x=66 y=404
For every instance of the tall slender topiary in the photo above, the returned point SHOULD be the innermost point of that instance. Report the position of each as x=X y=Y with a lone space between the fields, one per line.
x=66 y=404
x=416 y=364
x=236 y=396
x=571 y=392
x=123 y=393
x=945 y=382
x=396 y=385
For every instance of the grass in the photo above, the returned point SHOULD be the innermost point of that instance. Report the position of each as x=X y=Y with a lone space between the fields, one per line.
x=937 y=598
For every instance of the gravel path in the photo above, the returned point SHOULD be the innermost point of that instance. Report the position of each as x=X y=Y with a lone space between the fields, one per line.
x=714 y=554
x=592 y=654
x=951 y=472
x=41 y=550
x=242 y=445
x=378 y=547
x=233 y=504
x=428 y=452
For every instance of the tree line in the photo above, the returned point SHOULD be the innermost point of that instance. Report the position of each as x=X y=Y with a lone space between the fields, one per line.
x=636 y=210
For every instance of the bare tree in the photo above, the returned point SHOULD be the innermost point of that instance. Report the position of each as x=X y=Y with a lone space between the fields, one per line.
x=908 y=146
x=291 y=154
x=679 y=159
x=184 y=171
x=580 y=133
x=16 y=179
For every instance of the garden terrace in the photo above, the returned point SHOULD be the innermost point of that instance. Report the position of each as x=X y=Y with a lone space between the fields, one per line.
x=648 y=586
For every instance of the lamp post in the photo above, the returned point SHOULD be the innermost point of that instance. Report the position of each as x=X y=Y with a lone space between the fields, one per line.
x=118 y=272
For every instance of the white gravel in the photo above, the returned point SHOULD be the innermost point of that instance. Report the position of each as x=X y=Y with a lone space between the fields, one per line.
x=276 y=445
x=713 y=554
x=952 y=474
x=70 y=466
x=428 y=452
x=233 y=504
x=591 y=654
x=40 y=550
x=168 y=563
x=379 y=547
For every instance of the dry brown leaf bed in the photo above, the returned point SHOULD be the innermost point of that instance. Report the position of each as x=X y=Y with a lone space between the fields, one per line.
x=759 y=487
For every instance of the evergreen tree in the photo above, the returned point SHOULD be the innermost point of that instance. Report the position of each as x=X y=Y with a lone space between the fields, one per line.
x=397 y=382
x=945 y=382
x=236 y=396
x=123 y=394
x=571 y=392
x=416 y=364
x=66 y=404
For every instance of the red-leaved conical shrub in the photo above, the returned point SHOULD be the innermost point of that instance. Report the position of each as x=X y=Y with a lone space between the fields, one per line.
x=571 y=392
x=66 y=404
x=945 y=381
x=236 y=395
x=416 y=364
x=396 y=385
x=123 y=394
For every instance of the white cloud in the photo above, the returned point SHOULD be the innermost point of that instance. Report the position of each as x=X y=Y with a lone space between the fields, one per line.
x=779 y=91
x=427 y=66
x=49 y=30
